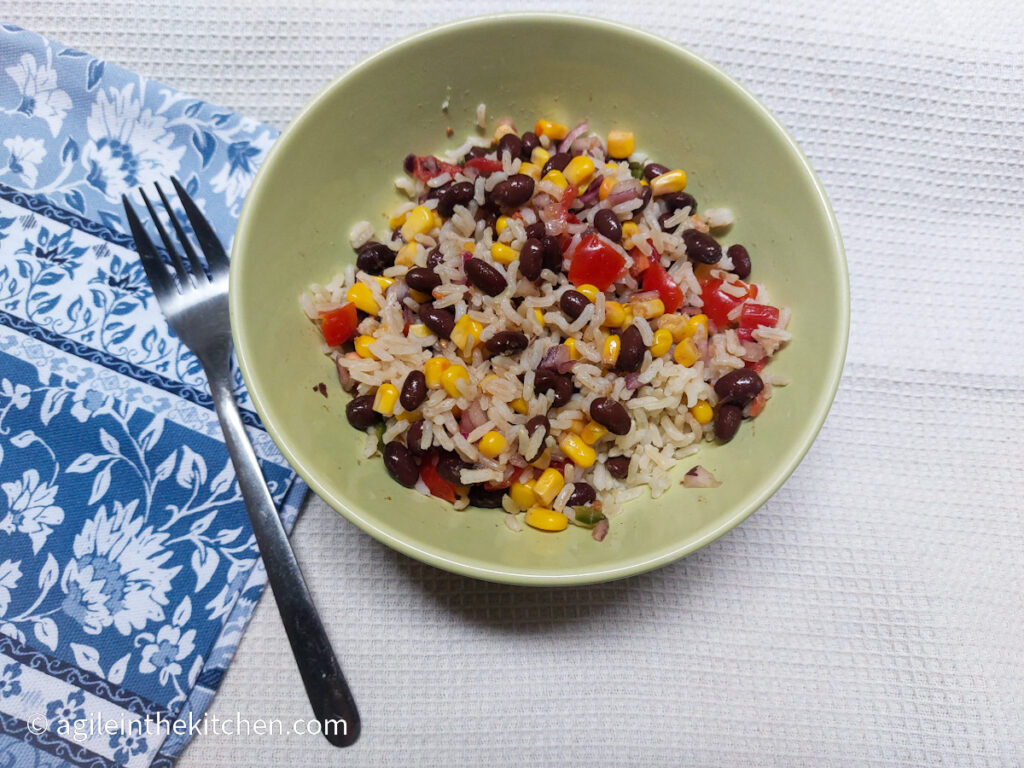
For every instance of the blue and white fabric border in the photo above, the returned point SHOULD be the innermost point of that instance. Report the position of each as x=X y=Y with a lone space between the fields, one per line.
x=128 y=570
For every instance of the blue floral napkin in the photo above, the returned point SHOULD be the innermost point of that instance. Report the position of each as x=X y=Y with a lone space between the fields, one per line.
x=128 y=569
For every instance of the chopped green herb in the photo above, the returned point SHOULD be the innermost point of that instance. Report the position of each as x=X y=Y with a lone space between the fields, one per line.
x=636 y=169
x=588 y=517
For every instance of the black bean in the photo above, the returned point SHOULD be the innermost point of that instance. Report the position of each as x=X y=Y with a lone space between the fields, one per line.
x=531 y=259
x=617 y=466
x=727 y=421
x=414 y=391
x=452 y=195
x=740 y=261
x=409 y=163
x=530 y=143
x=479 y=496
x=631 y=350
x=582 y=493
x=654 y=170
x=612 y=414
x=645 y=198
x=538 y=422
x=552 y=254
x=422 y=279
x=701 y=246
x=475 y=152
x=663 y=219
x=510 y=143
x=413 y=438
x=439 y=321
x=373 y=258
x=536 y=230
x=450 y=466
x=607 y=223
x=485 y=277
x=504 y=342
x=572 y=303
x=360 y=412
x=546 y=380
x=556 y=162
x=739 y=387
x=516 y=190
x=401 y=464
x=435 y=258
x=677 y=200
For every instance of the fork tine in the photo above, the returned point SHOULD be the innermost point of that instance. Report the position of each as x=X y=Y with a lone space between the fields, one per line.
x=159 y=278
x=208 y=240
x=197 y=267
x=179 y=266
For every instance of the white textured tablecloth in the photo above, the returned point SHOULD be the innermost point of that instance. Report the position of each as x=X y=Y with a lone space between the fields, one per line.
x=872 y=613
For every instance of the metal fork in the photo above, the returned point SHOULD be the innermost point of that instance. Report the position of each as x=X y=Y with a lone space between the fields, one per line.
x=196 y=306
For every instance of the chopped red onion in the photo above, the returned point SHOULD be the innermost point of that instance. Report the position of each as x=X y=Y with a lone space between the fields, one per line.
x=345 y=378
x=589 y=197
x=600 y=530
x=623 y=192
x=644 y=296
x=633 y=381
x=698 y=477
x=557 y=359
x=571 y=136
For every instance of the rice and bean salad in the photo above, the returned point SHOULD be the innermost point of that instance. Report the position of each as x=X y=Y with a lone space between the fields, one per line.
x=550 y=325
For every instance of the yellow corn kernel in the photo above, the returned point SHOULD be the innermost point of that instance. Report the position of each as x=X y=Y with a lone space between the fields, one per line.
x=606 y=187
x=490 y=378
x=557 y=178
x=548 y=485
x=675 y=325
x=469 y=245
x=522 y=494
x=620 y=144
x=628 y=309
x=466 y=333
x=542 y=461
x=436 y=219
x=503 y=130
x=385 y=399
x=383 y=282
x=577 y=425
x=570 y=344
x=539 y=156
x=419 y=296
x=702 y=412
x=610 y=350
x=673 y=181
x=629 y=230
x=538 y=316
x=363 y=346
x=419 y=222
x=593 y=432
x=590 y=291
x=648 y=309
x=644 y=183
x=419 y=330
x=503 y=254
x=362 y=297
x=500 y=224
x=544 y=519
x=492 y=444
x=576 y=448
x=406 y=256
x=662 y=342
x=432 y=370
x=694 y=324
x=614 y=314
x=398 y=219
x=531 y=169
x=520 y=406
x=409 y=415
x=451 y=377
x=579 y=170
x=555 y=131
x=686 y=353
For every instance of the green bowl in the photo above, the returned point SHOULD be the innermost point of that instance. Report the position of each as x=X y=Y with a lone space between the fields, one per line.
x=334 y=166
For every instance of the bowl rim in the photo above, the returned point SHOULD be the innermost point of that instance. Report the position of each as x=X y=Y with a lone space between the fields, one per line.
x=634 y=565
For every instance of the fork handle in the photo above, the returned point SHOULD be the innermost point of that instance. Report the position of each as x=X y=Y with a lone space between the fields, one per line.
x=321 y=674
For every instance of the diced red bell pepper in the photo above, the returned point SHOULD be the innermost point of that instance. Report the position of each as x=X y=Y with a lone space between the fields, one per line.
x=745 y=334
x=640 y=262
x=426 y=167
x=595 y=262
x=757 y=405
x=656 y=278
x=756 y=315
x=436 y=484
x=484 y=166
x=718 y=304
x=756 y=365
x=507 y=482
x=339 y=325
